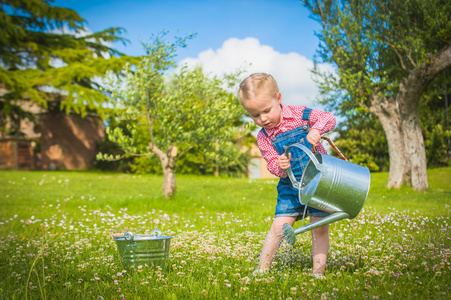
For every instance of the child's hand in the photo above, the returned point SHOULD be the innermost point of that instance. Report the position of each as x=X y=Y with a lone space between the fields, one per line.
x=284 y=161
x=313 y=137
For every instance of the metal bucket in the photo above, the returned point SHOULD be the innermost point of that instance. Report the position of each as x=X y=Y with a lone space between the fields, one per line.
x=329 y=184
x=141 y=249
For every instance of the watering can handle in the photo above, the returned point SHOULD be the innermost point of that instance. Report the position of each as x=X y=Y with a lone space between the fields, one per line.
x=333 y=147
x=156 y=232
x=290 y=174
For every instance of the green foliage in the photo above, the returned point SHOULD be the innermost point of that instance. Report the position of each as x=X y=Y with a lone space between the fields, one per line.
x=112 y=150
x=434 y=124
x=437 y=147
x=375 y=44
x=47 y=55
x=146 y=165
x=362 y=141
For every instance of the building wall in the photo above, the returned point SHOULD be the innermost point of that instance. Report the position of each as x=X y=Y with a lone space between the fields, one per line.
x=257 y=169
x=69 y=141
x=16 y=154
x=264 y=171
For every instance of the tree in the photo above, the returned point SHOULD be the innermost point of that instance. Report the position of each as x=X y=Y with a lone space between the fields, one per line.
x=46 y=51
x=386 y=53
x=360 y=138
x=172 y=114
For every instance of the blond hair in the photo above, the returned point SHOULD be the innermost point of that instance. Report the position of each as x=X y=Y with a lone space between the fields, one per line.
x=255 y=84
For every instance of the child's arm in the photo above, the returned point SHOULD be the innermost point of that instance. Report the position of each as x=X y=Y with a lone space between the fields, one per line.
x=271 y=156
x=322 y=121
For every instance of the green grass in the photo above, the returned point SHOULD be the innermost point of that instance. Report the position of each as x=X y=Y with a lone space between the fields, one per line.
x=56 y=240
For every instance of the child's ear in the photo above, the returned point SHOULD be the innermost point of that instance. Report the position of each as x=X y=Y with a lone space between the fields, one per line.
x=279 y=97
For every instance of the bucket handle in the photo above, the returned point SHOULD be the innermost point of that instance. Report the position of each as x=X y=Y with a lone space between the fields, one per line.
x=156 y=232
x=129 y=236
x=317 y=164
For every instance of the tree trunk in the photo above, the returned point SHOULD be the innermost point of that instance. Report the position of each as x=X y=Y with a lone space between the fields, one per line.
x=216 y=173
x=408 y=99
x=385 y=110
x=168 y=165
x=168 y=182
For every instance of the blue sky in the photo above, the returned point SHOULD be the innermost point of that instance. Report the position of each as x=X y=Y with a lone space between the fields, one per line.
x=270 y=36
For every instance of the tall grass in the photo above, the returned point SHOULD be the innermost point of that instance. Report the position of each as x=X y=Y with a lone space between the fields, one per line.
x=56 y=240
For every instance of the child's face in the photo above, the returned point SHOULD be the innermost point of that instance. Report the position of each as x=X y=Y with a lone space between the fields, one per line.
x=264 y=109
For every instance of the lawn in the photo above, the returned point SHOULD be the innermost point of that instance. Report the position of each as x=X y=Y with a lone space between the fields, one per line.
x=56 y=240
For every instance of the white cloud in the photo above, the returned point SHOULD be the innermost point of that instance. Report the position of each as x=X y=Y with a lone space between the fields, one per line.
x=291 y=70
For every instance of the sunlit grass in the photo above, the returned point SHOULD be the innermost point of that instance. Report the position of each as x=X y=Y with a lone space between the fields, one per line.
x=56 y=240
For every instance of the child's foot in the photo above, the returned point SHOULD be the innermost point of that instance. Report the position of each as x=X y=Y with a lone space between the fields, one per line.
x=319 y=276
x=260 y=272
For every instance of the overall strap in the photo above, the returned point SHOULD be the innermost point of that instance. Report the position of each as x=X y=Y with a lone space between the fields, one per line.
x=264 y=132
x=306 y=113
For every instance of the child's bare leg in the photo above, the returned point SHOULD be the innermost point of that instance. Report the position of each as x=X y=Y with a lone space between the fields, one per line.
x=273 y=241
x=320 y=246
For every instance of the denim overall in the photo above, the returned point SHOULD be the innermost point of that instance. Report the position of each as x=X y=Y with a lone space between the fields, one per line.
x=287 y=196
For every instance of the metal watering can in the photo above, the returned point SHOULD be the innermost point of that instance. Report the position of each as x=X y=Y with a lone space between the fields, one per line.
x=329 y=184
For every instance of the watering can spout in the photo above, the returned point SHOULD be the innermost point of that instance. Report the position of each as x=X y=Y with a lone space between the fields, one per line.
x=289 y=233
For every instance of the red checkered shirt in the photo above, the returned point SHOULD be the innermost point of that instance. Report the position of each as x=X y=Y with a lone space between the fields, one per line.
x=292 y=118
